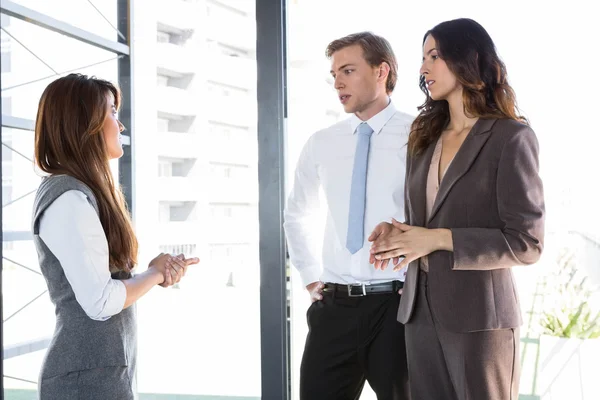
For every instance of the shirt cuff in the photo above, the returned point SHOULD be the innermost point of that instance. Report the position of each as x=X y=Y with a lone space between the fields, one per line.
x=115 y=301
x=310 y=275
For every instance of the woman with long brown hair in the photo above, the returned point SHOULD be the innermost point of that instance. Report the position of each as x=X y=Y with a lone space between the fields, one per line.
x=474 y=209
x=86 y=245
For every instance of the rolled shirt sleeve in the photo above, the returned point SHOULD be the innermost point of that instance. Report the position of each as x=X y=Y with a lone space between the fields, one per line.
x=71 y=229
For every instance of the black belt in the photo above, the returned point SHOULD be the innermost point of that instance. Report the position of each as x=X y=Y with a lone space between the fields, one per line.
x=359 y=290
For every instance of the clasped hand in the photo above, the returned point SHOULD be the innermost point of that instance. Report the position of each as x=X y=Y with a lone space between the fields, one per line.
x=172 y=268
x=393 y=241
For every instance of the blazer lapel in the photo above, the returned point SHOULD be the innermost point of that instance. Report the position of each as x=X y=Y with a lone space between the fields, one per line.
x=463 y=160
x=418 y=186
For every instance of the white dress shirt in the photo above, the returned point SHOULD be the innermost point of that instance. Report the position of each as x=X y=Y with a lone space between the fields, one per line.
x=326 y=162
x=71 y=229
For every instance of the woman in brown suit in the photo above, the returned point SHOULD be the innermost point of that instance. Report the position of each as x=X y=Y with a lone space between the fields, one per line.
x=474 y=209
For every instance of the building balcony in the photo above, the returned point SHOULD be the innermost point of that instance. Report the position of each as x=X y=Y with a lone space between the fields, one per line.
x=243 y=152
x=239 y=33
x=244 y=6
x=175 y=103
x=178 y=232
x=233 y=190
x=174 y=60
x=233 y=71
x=177 y=16
x=177 y=189
x=179 y=145
x=232 y=111
x=232 y=230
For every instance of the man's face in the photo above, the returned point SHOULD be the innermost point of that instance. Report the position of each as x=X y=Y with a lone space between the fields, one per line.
x=356 y=82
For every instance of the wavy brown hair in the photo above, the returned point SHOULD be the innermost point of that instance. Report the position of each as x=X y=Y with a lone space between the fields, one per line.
x=69 y=140
x=471 y=56
x=376 y=50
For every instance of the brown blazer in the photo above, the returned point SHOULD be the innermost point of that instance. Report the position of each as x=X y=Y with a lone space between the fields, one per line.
x=491 y=198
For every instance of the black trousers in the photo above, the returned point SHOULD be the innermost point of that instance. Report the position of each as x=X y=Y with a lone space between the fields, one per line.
x=352 y=340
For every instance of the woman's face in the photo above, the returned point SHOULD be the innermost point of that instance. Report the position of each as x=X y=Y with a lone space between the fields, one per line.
x=112 y=129
x=441 y=82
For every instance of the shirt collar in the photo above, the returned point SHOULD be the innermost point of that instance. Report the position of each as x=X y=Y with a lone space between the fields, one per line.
x=376 y=122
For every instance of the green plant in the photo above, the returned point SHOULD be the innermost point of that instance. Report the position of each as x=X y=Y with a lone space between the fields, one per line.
x=567 y=312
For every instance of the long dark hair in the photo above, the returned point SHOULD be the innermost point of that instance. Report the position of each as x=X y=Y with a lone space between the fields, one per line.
x=69 y=140
x=471 y=56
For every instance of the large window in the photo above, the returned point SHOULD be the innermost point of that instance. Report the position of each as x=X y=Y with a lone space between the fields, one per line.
x=189 y=174
x=77 y=37
x=195 y=191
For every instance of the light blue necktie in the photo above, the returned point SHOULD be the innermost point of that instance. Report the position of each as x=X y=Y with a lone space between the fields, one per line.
x=356 y=214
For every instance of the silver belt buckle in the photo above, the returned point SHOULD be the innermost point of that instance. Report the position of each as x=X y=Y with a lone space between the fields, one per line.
x=364 y=291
